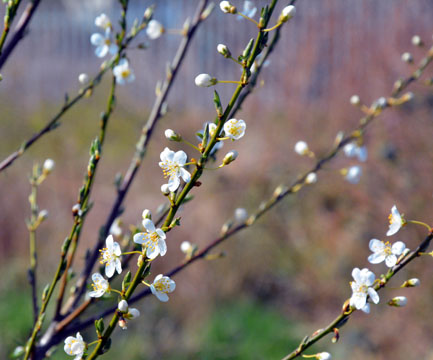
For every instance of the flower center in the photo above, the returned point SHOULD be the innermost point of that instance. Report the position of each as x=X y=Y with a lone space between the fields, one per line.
x=387 y=249
x=152 y=240
x=70 y=346
x=170 y=169
x=106 y=256
x=107 y=42
x=235 y=130
x=98 y=286
x=125 y=73
x=162 y=286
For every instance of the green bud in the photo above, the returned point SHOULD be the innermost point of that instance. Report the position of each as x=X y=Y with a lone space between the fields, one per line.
x=126 y=280
x=99 y=326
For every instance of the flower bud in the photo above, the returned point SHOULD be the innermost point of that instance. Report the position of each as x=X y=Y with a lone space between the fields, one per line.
x=223 y=50
x=311 y=178
x=226 y=7
x=83 y=78
x=241 y=214
x=416 y=41
x=355 y=100
x=398 y=301
x=154 y=29
x=323 y=356
x=205 y=80
x=287 y=13
x=185 y=247
x=407 y=58
x=230 y=157
x=380 y=103
x=171 y=135
x=301 y=148
x=123 y=306
x=76 y=210
x=49 y=165
x=146 y=214
x=43 y=215
x=165 y=190
x=411 y=283
x=353 y=174
x=122 y=324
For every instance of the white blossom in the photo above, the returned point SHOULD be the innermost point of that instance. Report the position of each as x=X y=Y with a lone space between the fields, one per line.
x=407 y=57
x=153 y=240
x=115 y=228
x=398 y=301
x=384 y=251
x=110 y=256
x=416 y=40
x=123 y=72
x=154 y=29
x=127 y=313
x=172 y=164
x=354 y=174
x=249 y=10
x=241 y=214
x=225 y=6
x=75 y=346
x=100 y=286
x=161 y=286
x=165 y=189
x=311 y=178
x=235 y=129
x=146 y=214
x=361 y=288
x=104 y=44
x=185 y=247
x=287 y=13
x=396 y=221
x=355 y=100
x=103 y=21
x=205 y=80
x=123 y=306
x=83 y=78
x=223 y=50
x=323 y=356
x=353 y=150
x=171 y=135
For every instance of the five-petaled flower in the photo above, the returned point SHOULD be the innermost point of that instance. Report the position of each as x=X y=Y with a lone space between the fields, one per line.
x=100 y=286
x=361 y=288
x=123 y=72
x=172 y=164
x=384 y=251
x=110 y=256
x=396 y=221
x=153 y=240
x=104 y=44
x=235 y=129
x=161 y=286
x=75 y=346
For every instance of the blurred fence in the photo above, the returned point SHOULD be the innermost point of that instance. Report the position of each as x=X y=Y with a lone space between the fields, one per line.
x=324 y=38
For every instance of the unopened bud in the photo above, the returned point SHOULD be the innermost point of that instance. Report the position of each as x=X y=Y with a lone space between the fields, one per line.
x=407 y=58
x=355 y=100
x=398 y=301
x=380 y=103
x=122 y=324
x=411 y=283
x=49 y=165
x=83 y=78
x=43 y=215
x=185 y=247
x=223 y=50
x=165 y=190
x=226 y=7
x=171 y=135
x=230 y=157
x=301 y=148
x=146 y=214
x=123 y=306
x=241 y=214
x=205 y=80
x=416 y=41
x=287 y=13
x=323 y=356
x=311 y=178
x=76 y=210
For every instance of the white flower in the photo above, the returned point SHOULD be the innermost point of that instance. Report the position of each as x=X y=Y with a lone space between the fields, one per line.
x=103 y=21
x=154 y=29
x=353 y=174
x=110 y=256
x=407 y=57
x=287 y=13
x=396 y=221
x=225 y=6
x=100 y=286
x=161 y=286
x=398 y=301
x=311 y=178
x=352 y=150
x=127 y=313
x=416 y=40
x=115 y=228
x=153 y=240
x=361 y=288
x=301 y=148
x=323 y=356
x=83 y=78
x=205 y=80
x=123 y=72
x=185 y=247
x=249 y=10
x=103 y=44
x=241 y=214
x=235 y=129
x=75 y=346
x=384 y=251
x=172 y=166
x=48 y=166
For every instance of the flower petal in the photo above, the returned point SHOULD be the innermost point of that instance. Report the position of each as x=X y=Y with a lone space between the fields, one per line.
x=374 y=296
x=118 y=266
x=180 y=157
x=162 y=247
x=356 y=274
x=140 y=238
x=148 y=225
x=173 y=183
x=97 y=39
x=101 y=51
x=398 y=248
x=161 y=296
x=376 y=245
x=186 y=176
x=109 y=269
x=393 y=228
x=109 y=242
x=376 y=258
x=391 y=260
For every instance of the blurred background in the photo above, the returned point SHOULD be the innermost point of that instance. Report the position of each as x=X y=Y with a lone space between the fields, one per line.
x=289 y=274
